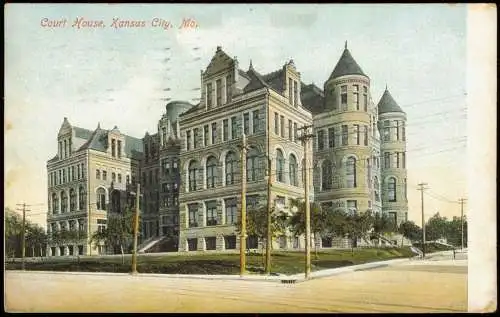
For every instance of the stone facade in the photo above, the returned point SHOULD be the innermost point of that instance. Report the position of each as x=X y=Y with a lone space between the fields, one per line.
x=88 y=179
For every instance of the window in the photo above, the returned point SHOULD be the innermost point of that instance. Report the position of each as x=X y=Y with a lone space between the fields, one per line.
x=72 y=200
x=343 y=97
x=295 y=93
x=276 y=123
x=218 y=91
x=387 y=131
x=195 y=138
x=55 y=203
x=403 y=158
x=234 y=128
x=64 y=201
x=113 y=177
x=81 y=224
x=231 y=168
x=81 y=198
x=211 y=172
x=290 y=87
x=192 y=244
x=210 y=243
x=376 y=188
x=229 y=83
x=119 y=178
x=331 y=137
x=73 y=176
x=391 y=189
x=116 y=201
x=351 y=172
x=282 y=126
x=205 y=135
x=101 y=199
x=193 y=169
x=387 y=160
x=397 y=159
x=321 y=140
x=78 y=170
x=188 y=140
x=192 y=215
x=65 y=149
x=252 y=242
x=60 y=176
x=211 y=213
x=104 y=175
x=64 y=175
x=209 y=95
x=290 y=130
x=365 y=98
x=295 y=131
x=60 y=149
x=326 y=177
x=345 y=135
x=280 y=166
x=246 y=123
x=356 y=95
x=164 y=135
x=113 y=148
x=352 y=206
x=356 y=134
x=230 y=242
x=174 y=164
x=214 y=132
x=255 y=121
x=225 y=129
x=403 y=131
x=252 y=164
x=365 y=141
x=293 y=170
x=231 y=211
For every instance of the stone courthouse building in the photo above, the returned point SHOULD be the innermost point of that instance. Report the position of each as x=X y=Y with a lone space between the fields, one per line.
x=190 y=169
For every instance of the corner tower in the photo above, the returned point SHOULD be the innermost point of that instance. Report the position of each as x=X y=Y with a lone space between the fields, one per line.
x=346 y=149
x=392 y=126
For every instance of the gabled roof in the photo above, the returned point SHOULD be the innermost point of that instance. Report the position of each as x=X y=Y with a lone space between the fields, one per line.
x=388 y=104
x=346 y=66
x=82 y=133
x=275 y=80
x=256 y=81
x=99 y=141
x=219 y=62
x=312 y=98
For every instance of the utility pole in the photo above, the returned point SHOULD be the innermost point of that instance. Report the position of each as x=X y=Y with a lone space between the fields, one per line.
x=136 y=229
x=269 y=217
x=421 y=189
x=243 y=217
x=23 y=235
x=305 y=137
x=461 y=201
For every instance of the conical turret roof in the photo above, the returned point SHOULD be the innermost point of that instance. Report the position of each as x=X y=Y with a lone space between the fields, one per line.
x=346 y=66
x=388 y=104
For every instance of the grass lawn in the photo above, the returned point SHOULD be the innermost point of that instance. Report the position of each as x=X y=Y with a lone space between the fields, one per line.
x=433 y=247
x=282 y=262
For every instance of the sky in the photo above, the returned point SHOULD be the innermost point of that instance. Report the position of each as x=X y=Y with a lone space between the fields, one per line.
x=118 y=76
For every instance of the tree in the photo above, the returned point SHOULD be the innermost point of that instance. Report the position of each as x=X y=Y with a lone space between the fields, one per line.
x=436 y=228
x=410 y=231
x=382 y=223
x=13 y=228
x=358 y=225
x=36 y=237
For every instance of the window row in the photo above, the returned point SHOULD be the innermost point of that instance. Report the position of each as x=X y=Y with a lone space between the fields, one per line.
x=101 y=200
x=66 y=250
x=116 y=148
x=293 y=92
x=289 y=131
x=211 y=243
x=231 y=129
x=395 y=131
x=342 y=136
x=64 y=201
x=358 y=99
x=169 y=166
x=330 y=181
x=65 y=148
x=218 y=92
x=115 y=177
x=70 y=225
x=66 y=175
x=395 y=160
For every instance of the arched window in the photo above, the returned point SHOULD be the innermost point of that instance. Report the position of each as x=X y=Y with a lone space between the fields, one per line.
x=64 y=201
x=326 y=176
x=293 y=170
x=376 y=188
x=211 y=172
x=193 y=169
x=115 y=200
x=252 y=165
x=231 y=168
x=101 y=199
x=280 y=166
x=55 y=203
x=72 y=199
x=391 y=189
x=351 y=172
x=97 y=174
x=81 y=198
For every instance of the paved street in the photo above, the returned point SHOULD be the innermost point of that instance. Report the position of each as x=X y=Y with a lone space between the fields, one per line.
x=434 y=285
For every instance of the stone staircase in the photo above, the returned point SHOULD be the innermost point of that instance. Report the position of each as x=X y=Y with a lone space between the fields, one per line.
x=149 y=243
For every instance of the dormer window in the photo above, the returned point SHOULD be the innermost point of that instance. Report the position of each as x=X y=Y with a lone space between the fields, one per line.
x=218 y=91
x=119 y=149
x=290 y=90
x=229 y=82
x=343 y=97
x=295 y=93
x=113 y=148
x=209 y=94
x=65 y=149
